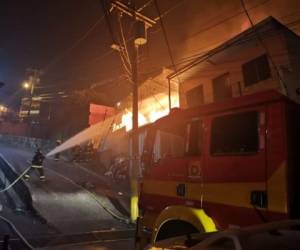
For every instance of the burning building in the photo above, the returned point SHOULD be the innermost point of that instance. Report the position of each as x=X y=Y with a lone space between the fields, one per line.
x=153 y=102
x=263 y=57
x=112 y=136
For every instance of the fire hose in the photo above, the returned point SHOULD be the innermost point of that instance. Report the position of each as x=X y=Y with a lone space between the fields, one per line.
x=108 y=210
x=15 y=181
x=12 y=226
x=20 y=235
x=114 y=215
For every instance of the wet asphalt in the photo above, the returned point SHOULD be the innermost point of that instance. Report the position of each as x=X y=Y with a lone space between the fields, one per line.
x=60 y=206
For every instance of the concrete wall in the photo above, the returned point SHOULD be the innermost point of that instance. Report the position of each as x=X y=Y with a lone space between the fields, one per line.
x=231 y=60
x=13 y=128
x=27 y=142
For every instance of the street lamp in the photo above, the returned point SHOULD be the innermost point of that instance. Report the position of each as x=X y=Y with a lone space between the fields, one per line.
x=26 y=85
x=3 y=109
x=29 y=85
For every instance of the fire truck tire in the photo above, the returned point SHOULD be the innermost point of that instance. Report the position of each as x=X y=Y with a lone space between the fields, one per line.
x=173 y=228
x=177 y=220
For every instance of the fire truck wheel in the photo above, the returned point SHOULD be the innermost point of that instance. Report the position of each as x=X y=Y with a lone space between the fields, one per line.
x=175 y=228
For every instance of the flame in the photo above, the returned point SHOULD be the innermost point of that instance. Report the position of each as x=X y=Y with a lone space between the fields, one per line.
x=150 y=110
x=126 y=121
x=155 y=115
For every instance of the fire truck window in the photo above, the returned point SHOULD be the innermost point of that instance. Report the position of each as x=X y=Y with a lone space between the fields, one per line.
x=193 y=138
x=235 y=134
x=169 y=142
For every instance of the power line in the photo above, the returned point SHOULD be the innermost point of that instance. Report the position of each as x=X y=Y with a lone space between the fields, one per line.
x=84 y=36
x=200 y=31
x=124 y=43
x=93 y=60
x=202 y=57
x=165 y=36
x=198 y=56
x=166 y=12
x=169 y=10
x=75 y=44
x=123 y=50
x=226 y=19
x=187 y=60
x=144 y=6
x=193 y=56
x=109 y=26
x=56 y=60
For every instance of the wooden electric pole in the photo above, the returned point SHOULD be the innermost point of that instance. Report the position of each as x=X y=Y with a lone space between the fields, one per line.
x=33 y=80
x=135 y=137
x=138 y=41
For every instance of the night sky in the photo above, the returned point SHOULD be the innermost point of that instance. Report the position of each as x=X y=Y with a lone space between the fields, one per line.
x=38 y=34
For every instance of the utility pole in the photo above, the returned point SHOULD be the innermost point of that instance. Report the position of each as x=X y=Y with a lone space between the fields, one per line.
x=33 y=80
x=135 y=137
x=30 y=84
x=142 y=22
x=30 y=97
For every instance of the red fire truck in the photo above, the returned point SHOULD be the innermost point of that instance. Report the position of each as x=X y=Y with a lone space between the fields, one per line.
x=220 y=165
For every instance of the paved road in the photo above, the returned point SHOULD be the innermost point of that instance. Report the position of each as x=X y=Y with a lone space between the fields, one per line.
x=64 y=204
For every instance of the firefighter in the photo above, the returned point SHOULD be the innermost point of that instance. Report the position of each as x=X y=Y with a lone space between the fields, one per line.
x=56 y=156
x=77 y=153
x=37 y=164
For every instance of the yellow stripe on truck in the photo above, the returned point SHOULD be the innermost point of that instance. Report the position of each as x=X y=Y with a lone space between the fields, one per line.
x=232 y=194
x=277 y=190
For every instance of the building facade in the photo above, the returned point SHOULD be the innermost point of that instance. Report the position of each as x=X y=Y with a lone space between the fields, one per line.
x=266 y=56
x=57 y=119
x=30 y=108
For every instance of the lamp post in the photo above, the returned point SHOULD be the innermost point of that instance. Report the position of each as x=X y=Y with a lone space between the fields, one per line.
x=3 y=112
x=3 y=109
x=29 y=85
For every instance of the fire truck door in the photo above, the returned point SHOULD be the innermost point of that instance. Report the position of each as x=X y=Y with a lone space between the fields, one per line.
x=194 y=148
x=235 y=164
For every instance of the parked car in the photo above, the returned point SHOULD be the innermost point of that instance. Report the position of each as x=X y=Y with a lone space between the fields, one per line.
x=284 y=235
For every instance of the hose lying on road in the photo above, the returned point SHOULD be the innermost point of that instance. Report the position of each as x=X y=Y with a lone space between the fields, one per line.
x=114 y=215
x=15 y=181
x=13 y=227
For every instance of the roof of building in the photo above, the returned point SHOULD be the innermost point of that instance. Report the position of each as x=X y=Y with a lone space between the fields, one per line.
x=262 y=29
x=236 y=103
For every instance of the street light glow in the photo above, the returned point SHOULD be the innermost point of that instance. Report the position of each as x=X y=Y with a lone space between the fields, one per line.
x=3 y=108
x=26 y=85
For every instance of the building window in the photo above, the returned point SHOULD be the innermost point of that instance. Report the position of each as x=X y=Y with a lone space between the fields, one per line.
x=195 y=96
x=221 y=87
x=256 y=70
x=235 y=134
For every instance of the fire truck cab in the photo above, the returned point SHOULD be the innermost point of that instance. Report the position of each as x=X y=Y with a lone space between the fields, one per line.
x=228 y=164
